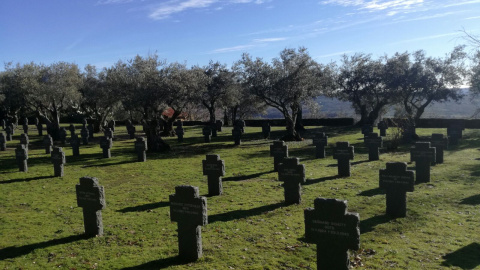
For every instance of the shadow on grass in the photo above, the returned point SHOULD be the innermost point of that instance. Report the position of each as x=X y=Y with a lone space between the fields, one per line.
x=239 y=214
x=25 y=179
x=467 y=257
x=109 y=164
x=321 y=179
x=144 y=207
x=372 y=192
x=245 y=177
x=158 y=264
x=13 y=252
x=361 y=161
x=369 y=224
x=472 y=200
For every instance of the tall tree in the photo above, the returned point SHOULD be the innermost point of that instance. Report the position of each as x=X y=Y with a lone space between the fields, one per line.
x=99 y=99
x=360 y=80
x=141 y=88
x=286 y=83
x=57 y=91
x=218 y=79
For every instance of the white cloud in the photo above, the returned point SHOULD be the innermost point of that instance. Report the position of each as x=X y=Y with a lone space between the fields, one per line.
x=377 y=5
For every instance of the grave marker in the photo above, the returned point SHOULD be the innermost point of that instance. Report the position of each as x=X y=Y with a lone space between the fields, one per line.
x=131 y=129
x=278 y=150
x=21 y=155
x=334 y=230
x=91 y=197
x=382 y=126
x=320 y=141
x=8 y=130
x=266 y=129
x=75 y=144
x=106 y=143
x=237 y=135
x=440 y=143
x=397 y=181
x=207 y=133
x=58 y=160
x=141 y=148
x=343 y=153
x=24 y=140
x=214 y=169
x=71 y=128
x=108 y=132
x=292 y=174
x=219 y=124
x=47 y=143
x=3 y=142
x=85 y=135
x=189 y=210
x=424 y=156
x=25 y=125
x=62 y=134
x=373 y=142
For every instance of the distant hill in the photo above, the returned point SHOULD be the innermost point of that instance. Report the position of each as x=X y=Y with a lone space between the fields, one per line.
x=332 y=107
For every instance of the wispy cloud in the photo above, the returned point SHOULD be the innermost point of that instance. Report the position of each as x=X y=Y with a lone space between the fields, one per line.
x=375 y=5
x=107 y=2
x=254 y=43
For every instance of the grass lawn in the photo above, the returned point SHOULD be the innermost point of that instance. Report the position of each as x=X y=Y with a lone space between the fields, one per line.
x=249 y=226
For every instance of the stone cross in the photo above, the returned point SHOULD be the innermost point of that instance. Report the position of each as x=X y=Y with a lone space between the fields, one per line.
x=47 y=143
x=72 y=129
x=3 y=142
x=219 y=124
x=292 y=174
x=91 y=130
x=189 y=210
x=423 y=155
x=106 y=143
x=454 y=133
x=334 y=230
x=320 y=141
x=207 y=133
x=179 y=131
x=111 y=125
x=8 y=130
x=343 y=152
x=141 y=148
x=214 y=169
x=279 y=151
x=440 y=143
x=85 y=135
x=382 y=126
x=58 y=160
x=91 y=197
x=75 y=144
x=62 y=134
x=24 y=140
x=213 y=128
x=397 y=181
x=131 y=130
x=108 y=132
x=237 y=135
x=25 y=125
x=266 y=130
x=367 y=129
x=21 y=155
x=373 y=142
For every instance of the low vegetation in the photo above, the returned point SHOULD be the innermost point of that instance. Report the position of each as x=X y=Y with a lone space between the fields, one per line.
x=249 y=226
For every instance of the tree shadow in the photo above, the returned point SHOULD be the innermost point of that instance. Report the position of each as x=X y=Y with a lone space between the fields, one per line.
x=13 y=252
x=245 y=177
x=467 y=257
x=239 y=214
x=321 y=179
x=144 y=207
x=158 y=264
x=372 y=192
x=472 y=200
x=368 y=225
x=25 y=179
x=109 y=164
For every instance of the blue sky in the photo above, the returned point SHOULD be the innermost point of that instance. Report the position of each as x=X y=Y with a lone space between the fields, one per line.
x=101 y=32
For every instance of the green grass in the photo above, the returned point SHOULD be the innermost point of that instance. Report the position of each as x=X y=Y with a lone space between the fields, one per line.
x=249 y=226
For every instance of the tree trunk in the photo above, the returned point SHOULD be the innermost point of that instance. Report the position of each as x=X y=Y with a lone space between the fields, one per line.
x=291 y=134
x=169 y=130
x=299 y=122
x=155 y=142
x=225 y=117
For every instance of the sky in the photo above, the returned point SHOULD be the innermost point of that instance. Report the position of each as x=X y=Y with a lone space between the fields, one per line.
x=102 y=32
